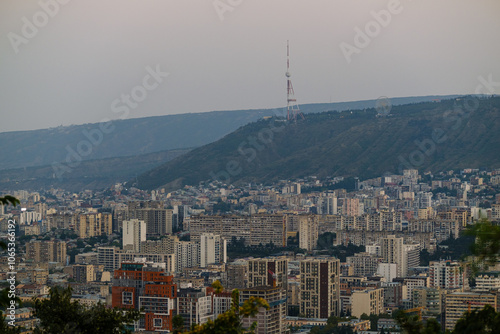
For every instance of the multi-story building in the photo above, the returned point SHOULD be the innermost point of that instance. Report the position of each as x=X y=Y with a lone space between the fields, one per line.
x=320 y=287
x=149 y=289
x=488 y=282
x=195 y=306
x=308 y=231
x=133 y=233
x=83 y=273
x=46 y=251
x=187 y=255
x=272 y=320
x=112 y=258
x=165 y=245
x=364 y=264
x=236 y=276
x=158 y=221
x=94 y=224
x=369 y=301
x=272 y=271
x=429 y=299
x=457 y=303
x=392 y=252
x=213 y=249
x=446 y=275
x=255 y=229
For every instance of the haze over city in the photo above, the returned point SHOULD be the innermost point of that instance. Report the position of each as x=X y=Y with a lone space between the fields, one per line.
x=89 y=53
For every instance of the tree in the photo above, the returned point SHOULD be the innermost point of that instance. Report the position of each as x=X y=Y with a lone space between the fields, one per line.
x=483 y=321
x=177 y=323
x=9 y=199
x=487 y=244
x=58 y=314
x=230 y=322
x=4 y=303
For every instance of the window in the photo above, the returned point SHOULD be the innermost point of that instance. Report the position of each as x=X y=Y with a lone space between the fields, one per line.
x=157 y=322
x=127 y=298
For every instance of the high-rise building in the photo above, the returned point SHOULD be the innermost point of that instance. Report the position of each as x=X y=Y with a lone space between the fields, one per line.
x=272 y=271
x=213 y=249
x=269 y=321
x=308 y=231
x=404 y=256
x=149 y=289
x=320 y=287
x=457 y=303
x=94 y=224
x=236 y=276
x=134 y=232
x=195 y=306
x=364 y=264
x=446 y=275
x=370 y=301
x=187 y=255
x=255 y=229
x=83 y=273
x=165 y=245
x=429 y=299
x=158 y=221
x=46 y=251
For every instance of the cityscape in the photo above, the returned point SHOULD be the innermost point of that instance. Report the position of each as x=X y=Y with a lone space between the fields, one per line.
x=249 y=167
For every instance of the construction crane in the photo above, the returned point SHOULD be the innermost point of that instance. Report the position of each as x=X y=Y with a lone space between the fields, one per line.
x=416 y=309
x=474 y=303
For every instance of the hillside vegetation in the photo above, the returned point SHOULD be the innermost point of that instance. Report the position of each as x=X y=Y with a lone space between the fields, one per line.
x=430 y=136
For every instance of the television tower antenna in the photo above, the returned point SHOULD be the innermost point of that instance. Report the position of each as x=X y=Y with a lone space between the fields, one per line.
x=292 y=108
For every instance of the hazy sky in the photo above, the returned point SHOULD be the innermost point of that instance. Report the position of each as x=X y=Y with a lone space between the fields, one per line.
x=231 y=54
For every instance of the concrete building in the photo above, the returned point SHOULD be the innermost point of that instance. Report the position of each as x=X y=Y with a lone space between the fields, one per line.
x=370 y=301
x=271 y=271
x=187 y=255
x=392 y=252
x=457 y=303
x=195 y=306
x=133 y=233
x=236 y=276
x=166 y=245
x=488 y=282
x=388 y=271
x=429 y=299
x=83 y=273
x=149 y=289
x=94 y=224
x=364 y=264
x=271 y=321
x=308 y=231
x=46 y=251
x=320 y=287
x=158 y=221
x=446 y=275
x=213 y=249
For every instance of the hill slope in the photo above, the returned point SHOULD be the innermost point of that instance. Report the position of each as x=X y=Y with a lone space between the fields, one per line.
x=429 y=136
x=139 y=136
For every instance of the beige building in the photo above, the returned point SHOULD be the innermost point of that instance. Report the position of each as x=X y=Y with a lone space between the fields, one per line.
x=83 y=273
x=369 y=301
x=272 y=271
x=457 y=303
x=46 y=251
x=254 y=229
x=94 y=224
x=308 y=231
x=320 y=287
x=271 y=321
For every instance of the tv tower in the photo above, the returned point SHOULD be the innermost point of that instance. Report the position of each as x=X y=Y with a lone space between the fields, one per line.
x=292 y=108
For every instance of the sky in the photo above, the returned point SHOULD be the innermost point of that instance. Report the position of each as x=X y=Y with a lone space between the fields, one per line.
x=66 y=62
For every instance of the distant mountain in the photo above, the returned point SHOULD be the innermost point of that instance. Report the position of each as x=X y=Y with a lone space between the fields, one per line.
x=91 y=174
x=139 y=136
x=432 y=136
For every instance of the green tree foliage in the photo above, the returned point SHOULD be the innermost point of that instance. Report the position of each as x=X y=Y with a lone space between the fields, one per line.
x=411 y=324
x=230 y=322
x=5 y=200
x=4 y=303
x=59 y=315
x=483 y=321
x=487 y=245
